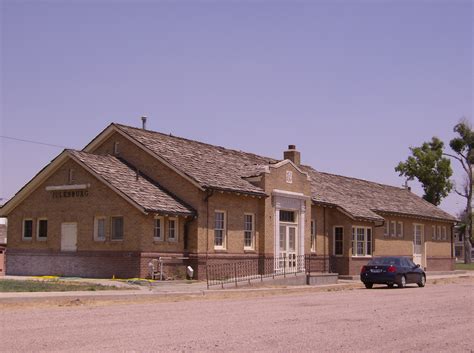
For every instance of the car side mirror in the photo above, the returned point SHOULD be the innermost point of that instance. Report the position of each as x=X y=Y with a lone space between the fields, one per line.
x=417 y=266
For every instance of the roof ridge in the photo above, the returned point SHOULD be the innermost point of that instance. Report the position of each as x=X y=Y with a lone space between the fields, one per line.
x=353 y=178
x=270 y=159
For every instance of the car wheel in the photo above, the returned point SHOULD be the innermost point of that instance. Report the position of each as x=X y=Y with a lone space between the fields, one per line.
x=403 y=282
x=368 y=285
x=422 y=281
x=390 y=285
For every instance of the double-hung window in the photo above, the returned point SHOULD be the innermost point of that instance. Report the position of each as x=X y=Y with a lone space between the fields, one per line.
x=400 y=229
x=99 y=228
x=439 y=233
x=393 y=226
x=313 y=235
x=249 y=232
x=361 y=241
x=219 y=230
x=173 y=229
x=444 y=233
x=386 y=231
x=158 y=229
x=433 y=232
x=338 y=241
x=42 y=229
x=117 y=228
x=27 y=229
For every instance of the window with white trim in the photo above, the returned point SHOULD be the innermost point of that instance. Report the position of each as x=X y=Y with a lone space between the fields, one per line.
x=249 y=231
x=338 y=241
x=27 y=229
x=42 y=229
x=116 y=148
x=433 y=232
x=444 y=233
x=393 y=226
x=361 y=241
x=71 y=176
x=116 y=228
x=313 y=235
x=172 y=229
x=386 y=231
x=400 y=229
x=219 y=230
x=158 y=229
x=439 y=233
x=99 y=228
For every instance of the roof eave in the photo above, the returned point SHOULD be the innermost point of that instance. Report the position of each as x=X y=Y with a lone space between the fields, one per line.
x=417 y=216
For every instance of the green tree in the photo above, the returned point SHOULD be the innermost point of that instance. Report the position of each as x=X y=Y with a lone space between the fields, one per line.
x=430 y=168
x=463 y=146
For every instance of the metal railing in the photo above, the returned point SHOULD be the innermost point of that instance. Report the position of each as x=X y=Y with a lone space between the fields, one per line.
x=247 y=270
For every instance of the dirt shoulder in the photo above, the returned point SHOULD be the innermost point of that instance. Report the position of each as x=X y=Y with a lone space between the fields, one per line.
x=142 y=297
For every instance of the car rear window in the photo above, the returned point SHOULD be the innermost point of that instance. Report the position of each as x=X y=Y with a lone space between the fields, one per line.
x=385 y=261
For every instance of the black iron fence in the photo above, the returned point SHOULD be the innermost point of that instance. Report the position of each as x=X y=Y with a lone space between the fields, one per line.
x=247 y=270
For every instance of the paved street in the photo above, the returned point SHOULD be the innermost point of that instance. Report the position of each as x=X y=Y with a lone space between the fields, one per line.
x=437 y=318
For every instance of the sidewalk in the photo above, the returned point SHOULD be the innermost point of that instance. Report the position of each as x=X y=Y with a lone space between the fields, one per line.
x=182 y=288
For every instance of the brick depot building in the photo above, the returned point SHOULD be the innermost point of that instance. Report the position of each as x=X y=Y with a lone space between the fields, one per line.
x=133 y=195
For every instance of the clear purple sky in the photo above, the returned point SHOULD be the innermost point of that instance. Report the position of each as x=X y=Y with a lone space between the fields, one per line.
x=352 y=83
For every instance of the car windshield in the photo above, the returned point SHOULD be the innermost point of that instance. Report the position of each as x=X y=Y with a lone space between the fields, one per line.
x=387 y=261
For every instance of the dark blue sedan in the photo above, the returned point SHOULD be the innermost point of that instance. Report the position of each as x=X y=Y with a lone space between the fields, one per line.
x=392 y=270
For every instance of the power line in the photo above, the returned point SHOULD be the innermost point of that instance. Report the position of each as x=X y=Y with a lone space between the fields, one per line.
x=30 y=141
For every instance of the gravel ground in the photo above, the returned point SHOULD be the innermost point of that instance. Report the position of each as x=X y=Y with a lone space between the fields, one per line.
x=437 y=318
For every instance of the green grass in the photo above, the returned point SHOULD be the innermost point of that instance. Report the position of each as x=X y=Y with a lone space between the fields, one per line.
x=10 y=285
x=469 y=267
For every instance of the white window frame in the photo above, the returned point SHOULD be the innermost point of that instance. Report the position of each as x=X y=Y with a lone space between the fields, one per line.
x=399 y=224
x=96 y=228
x=162 y=225
x=393 y=229
x=433 y=232
x=365 y=241
x=112 y=228
x=224 y=230
x=438 y=236
x=386 y=231
x=444 y=233
x=334 y=241
x=38 y=229
x=71 y=176
x=116 y=148
x=173 y=239
x=23 y=229
x=313 y=235
x=252 y=231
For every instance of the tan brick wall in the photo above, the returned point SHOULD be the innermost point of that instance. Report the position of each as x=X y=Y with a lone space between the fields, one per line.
x=234 y=207
x=276 y=179
x=101 y=201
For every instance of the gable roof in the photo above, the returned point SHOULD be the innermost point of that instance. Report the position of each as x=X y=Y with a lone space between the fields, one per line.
x=141 y=192
x=149 y=195
x=226 y=169
x=367 y=200
x=211 y=166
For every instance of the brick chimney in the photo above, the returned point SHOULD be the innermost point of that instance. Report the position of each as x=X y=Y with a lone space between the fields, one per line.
x=292 y=154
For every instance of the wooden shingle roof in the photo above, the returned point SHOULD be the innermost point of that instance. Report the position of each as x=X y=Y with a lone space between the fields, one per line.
x=367 y=200
x=217 y=167
x=211 y=166
x=132 y=184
